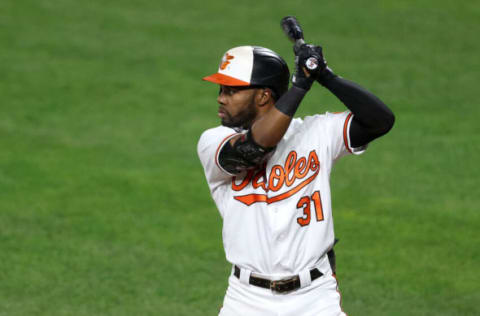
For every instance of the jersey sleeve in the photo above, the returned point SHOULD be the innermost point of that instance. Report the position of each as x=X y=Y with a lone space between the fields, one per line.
x=338 y=129
x=208 y=148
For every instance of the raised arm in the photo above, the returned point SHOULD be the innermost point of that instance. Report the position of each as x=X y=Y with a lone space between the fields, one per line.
x=269 y=129
x=372 y=118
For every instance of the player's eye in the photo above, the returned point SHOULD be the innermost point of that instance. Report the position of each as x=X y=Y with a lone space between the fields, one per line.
x=227 y=90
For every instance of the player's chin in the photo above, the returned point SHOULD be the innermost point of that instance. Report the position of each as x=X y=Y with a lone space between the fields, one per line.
x=227 y=123
x=238 y=121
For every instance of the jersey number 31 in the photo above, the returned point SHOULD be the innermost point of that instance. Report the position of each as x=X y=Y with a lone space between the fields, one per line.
x=305 y=203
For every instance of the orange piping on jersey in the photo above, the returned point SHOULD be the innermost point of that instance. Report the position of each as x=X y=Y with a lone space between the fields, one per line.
x=218 y=150
x=345 y=131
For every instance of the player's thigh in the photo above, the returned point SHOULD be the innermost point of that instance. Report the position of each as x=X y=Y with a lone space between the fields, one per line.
x=321 y=299
x=243 y=300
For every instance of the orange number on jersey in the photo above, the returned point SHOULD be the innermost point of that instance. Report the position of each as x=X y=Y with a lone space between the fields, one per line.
x=304 y=203
x=318 y=205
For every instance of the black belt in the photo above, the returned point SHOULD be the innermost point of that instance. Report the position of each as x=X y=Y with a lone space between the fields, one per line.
x=280 y=286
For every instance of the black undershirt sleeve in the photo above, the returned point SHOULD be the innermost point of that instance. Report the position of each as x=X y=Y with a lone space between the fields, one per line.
x=372 y=118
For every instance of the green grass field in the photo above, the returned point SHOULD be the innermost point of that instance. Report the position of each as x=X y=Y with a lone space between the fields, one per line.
x=104 y=209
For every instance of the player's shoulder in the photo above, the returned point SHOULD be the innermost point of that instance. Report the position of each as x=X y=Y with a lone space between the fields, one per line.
x=215 y=135
x=322 y=118
x=327 y=115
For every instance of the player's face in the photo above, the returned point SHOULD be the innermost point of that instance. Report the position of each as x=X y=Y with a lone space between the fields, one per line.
x=237 y=106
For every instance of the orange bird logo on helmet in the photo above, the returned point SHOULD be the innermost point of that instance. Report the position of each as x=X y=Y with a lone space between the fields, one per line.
x=226 y=60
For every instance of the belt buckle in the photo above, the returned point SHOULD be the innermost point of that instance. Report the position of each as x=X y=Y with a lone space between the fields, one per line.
x=283 y=286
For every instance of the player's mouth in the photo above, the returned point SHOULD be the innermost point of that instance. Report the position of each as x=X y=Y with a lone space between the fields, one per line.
x=221 y=112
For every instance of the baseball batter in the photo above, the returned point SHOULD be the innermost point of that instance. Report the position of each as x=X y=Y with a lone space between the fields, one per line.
x=269 y=177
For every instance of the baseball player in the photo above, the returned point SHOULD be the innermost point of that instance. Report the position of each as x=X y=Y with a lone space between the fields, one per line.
x=268 y=174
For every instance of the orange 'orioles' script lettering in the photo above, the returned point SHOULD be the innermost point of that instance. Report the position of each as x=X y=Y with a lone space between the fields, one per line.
x=279 y=177
x=225 y=61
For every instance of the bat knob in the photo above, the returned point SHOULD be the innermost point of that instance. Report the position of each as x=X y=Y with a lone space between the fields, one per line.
x=292 y=28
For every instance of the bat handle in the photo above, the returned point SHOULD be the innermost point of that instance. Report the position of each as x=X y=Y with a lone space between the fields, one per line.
x=298 y=42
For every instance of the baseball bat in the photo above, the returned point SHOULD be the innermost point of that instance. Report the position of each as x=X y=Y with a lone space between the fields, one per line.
x=292 y=29
x=294 y=32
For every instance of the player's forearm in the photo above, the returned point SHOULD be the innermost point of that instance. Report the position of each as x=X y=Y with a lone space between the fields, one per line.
x=368 y=109
x=269 y=129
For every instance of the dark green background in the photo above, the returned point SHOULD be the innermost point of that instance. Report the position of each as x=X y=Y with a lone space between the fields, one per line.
x=104 y=209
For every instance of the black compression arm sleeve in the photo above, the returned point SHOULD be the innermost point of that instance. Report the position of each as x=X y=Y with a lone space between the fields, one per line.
x=290 y=100
x=372 y=118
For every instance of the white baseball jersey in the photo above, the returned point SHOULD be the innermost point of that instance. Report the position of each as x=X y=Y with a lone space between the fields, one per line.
x=277 y=220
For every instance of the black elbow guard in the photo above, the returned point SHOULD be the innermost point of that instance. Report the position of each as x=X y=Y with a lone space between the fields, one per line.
x=244 y=154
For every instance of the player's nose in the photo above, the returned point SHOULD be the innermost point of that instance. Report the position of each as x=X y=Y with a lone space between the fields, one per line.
x=221 y=98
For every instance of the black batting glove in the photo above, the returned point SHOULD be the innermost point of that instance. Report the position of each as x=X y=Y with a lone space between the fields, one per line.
x=306 y=66
x=324 y=72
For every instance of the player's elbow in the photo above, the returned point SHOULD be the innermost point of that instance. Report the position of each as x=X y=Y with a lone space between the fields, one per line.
x=384 y=122
x=389 y=121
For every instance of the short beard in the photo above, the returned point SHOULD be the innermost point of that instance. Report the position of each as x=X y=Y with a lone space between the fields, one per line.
x=244 y=119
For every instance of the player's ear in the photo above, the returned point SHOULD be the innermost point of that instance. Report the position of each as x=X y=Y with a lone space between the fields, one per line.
x=264 y=96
